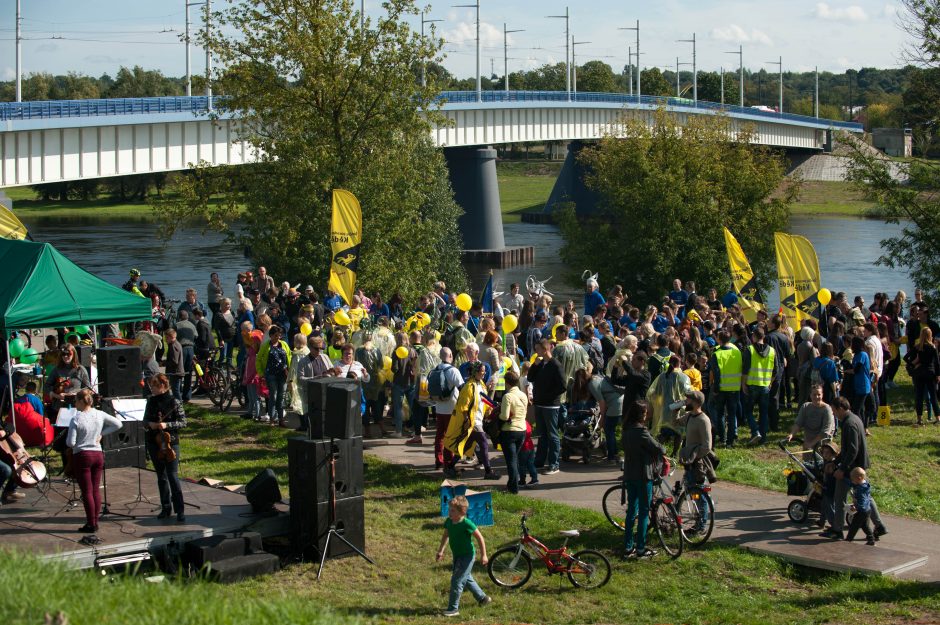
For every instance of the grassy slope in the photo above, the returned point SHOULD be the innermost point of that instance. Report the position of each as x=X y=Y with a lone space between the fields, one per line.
x=831 y=198
x=718 y=584
x=525 y=186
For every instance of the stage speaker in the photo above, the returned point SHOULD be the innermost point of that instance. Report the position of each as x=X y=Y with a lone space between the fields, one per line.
x=131 y=433
x=310 y=522
x=83 y=353
x=343 y=409
x=119 y=372
x=309 y=467
x=262 y=491
x=316 y=400
x=135 y=456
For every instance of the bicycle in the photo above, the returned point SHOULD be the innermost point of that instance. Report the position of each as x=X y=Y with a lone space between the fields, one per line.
x=686 y=502
x=215 y=380
x=511 y=567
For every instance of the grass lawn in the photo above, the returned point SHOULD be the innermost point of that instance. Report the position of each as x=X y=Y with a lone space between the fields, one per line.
x=716 y=585
x=832 y=199
x=525 y=186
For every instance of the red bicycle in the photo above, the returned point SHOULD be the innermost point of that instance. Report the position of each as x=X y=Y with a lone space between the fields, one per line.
x=511 y=567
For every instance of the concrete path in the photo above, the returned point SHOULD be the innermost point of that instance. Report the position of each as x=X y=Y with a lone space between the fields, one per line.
x=752 y=518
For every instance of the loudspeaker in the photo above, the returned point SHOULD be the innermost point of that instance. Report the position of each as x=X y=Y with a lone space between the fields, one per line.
x=83 y=353
x=309 y=524
x=125 y=457
x=131 y=433
x=309 y=466
x=242 y=567
x=343 y=409
x=220 y=547
x=262 y=491
x=119 y=372
x=316 y=401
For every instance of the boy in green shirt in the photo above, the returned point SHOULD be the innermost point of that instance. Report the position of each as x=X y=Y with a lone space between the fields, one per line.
x=459 y=530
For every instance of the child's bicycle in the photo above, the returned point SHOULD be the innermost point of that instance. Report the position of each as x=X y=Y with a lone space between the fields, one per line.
x=511 y=567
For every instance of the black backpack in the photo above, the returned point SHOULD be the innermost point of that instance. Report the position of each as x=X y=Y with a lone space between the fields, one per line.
x=449 y=339
x=437 y=382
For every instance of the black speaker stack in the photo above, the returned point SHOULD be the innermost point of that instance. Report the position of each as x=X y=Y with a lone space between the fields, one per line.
x=124 y=448
x=335 y=437
x=119 y=372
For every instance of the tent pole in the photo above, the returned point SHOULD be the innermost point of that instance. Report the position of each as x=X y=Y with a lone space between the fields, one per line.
x=10 y=380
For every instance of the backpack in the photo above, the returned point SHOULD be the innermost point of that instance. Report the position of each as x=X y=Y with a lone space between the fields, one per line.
x=437 y=382
x=815 y=375
x=449 y=339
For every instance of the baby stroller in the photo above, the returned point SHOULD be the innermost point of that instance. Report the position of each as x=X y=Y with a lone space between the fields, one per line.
x=582 y=434
x=804 y=481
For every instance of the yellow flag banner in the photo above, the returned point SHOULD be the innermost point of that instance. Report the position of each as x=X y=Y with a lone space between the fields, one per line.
x=806 y=278
x=345 y=238
x=743 y=279
x=10 y=226
x=785 y=277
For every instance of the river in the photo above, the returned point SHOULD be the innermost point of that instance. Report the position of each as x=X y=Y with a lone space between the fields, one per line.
x=846 y=247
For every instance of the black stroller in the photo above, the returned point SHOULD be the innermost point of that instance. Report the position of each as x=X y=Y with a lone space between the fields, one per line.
x=582 y=435
x=804 y=482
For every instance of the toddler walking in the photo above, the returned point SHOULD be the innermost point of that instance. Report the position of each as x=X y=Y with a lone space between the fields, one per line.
x=459 y=531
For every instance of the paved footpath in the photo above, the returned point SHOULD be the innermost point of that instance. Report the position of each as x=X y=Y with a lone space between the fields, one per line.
x=753 y=518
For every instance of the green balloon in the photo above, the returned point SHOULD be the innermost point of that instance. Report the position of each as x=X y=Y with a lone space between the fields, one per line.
x=29 y=356
x=16 y=348
x=82 y=329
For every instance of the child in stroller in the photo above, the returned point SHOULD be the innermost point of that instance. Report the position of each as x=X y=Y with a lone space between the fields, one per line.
x=582 y=433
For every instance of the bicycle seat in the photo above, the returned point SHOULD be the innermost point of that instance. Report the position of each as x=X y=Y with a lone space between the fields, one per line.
x=570 y=533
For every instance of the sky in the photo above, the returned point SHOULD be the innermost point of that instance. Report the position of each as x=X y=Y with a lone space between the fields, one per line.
x=99 y=36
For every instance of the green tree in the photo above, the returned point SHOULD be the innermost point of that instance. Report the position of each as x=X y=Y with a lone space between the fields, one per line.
x=597 y=77
x=652 y=82
x=329 y=105
x=666 y=191
x=141 y=83
x=709 y=87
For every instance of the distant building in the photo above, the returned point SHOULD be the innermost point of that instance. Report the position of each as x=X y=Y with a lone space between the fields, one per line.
x=893 y=141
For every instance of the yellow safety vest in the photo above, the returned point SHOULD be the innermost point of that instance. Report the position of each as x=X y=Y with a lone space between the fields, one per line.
x=762 y=368
x=504 y=366
x=729 y=368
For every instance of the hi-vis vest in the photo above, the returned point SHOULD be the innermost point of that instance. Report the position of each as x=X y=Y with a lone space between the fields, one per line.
x=504 y=366
x=762 y=368
x=729 y=368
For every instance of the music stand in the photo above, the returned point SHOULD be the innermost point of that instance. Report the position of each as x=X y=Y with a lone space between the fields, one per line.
x=333 y=533
x=105 y=506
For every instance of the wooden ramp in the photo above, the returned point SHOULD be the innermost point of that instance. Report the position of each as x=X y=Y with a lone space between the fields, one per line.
x=46 y=523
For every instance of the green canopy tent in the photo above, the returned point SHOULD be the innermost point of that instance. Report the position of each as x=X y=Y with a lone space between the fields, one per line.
x=41 y=288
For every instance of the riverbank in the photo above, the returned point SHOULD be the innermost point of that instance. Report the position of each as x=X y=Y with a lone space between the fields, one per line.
x=524 y=186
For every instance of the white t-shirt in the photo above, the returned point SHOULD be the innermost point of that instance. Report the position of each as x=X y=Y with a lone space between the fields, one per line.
x=878 y=356
x=455 y=381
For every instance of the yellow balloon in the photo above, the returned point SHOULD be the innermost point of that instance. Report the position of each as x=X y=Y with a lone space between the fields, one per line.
x=824 y=296
x=341 y=317
x=509 y=323
x=401 y=352
x=464 y=302
x=306 y=328
x=437 y=335
x=386 y=363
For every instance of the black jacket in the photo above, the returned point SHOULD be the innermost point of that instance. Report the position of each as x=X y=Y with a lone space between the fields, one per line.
x=635 y=384
x=854 y=449
x=548 y=382
x=642 y=455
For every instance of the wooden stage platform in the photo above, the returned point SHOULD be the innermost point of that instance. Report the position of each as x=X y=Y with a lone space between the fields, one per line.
x=47 y=523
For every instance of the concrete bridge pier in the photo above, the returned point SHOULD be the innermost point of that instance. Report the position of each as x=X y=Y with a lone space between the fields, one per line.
x=473 y=178
x=569 y=187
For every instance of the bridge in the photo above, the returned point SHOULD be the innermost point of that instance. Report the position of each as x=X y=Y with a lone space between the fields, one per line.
x=66 y=140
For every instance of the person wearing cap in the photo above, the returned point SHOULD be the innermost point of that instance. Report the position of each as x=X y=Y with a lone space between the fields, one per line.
x=697 y=446
x=258 y=305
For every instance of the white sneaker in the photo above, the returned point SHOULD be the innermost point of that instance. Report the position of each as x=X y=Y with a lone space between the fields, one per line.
x=265 y=419
x=450 y=613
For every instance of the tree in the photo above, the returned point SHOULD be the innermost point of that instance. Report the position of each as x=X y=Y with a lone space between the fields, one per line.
x=653 y=83
x=709 y=87
x=141 y=83
x=911 y=195
x=666 y=190
x=329 y=104
x=597 y=77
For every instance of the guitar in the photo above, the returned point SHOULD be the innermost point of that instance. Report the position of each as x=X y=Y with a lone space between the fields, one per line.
x=27 y=471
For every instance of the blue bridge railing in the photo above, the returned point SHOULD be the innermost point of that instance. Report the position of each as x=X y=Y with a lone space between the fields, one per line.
x=57 y=109
x=646 y=100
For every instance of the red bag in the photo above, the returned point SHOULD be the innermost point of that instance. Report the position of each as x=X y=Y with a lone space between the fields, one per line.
x=33 y=428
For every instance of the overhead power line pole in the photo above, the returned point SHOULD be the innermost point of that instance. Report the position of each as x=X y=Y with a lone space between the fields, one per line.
x=639 y=71
x=694 y=68
x=477 y=7
x=574 y=64
x=740 y=53
x=506 y=53
x=567 y=18
x=424 y=80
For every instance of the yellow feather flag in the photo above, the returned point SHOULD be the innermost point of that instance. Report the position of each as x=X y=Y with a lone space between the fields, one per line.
x=345 y=239
x=10 y=226
x=785 y=277
x=743 y=279
x=806 y=278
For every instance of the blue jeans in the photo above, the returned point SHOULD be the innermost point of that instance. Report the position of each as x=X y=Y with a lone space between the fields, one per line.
x=527 y=465
x=639 y=494
x=188 y=355
x=168 y=480
x=512 y=443
x=700 y=503
x=277 y=387
x=254 y=401
x=759 y=395
x=399 y=393
x=548 y=450
x=6 y=477
x=176 y=383
x=462 y=576
x=726 y=404
x=610 y=435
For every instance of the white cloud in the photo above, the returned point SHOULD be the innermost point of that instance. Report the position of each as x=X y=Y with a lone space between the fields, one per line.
x=8 y=73
x=844 y=63
x=735 y=34
x=889 y=10
x=465 y=34
x=851 y=13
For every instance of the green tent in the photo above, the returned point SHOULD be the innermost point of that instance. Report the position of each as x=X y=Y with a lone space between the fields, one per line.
x=41 y=288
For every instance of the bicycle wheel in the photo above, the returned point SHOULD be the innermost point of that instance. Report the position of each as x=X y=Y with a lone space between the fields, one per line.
x=510 y=567
x=668 y=528
x=615 y=506
x=697 y=512
x=235 y=384
x=213 y=386
x=228 y=393
x=589 y=569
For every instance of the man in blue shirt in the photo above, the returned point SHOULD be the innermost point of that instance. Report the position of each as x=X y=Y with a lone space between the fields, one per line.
x=680 y=297
x=332 y=301
x=592 y=297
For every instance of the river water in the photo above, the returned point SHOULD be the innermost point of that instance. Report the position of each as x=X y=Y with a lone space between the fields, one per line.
x=846 y=247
